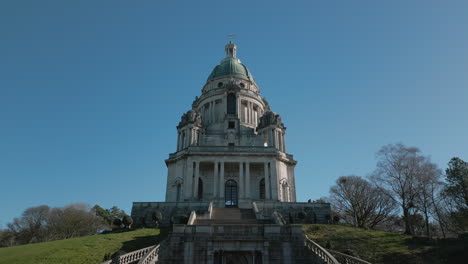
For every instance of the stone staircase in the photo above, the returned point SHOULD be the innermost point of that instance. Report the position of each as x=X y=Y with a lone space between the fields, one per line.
x=222 y=216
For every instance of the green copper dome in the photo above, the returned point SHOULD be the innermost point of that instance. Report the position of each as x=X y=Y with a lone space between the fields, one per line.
x=230 y=66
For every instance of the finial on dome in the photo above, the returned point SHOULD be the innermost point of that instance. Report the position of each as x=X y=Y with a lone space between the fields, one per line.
x=231 y=50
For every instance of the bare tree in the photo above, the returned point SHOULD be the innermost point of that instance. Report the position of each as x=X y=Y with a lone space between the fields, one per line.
x=360 y=203
x=428 y=178
x=31 y=226
x=397 y=174
x=73 y=221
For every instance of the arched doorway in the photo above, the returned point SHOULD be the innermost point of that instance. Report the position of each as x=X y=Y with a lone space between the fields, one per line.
x=230 y=193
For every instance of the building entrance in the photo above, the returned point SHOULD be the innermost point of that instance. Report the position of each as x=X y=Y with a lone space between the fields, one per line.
x=230 y=193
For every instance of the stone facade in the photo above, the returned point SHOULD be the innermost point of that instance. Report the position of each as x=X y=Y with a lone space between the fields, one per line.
x=230 y=189
x=230 y=135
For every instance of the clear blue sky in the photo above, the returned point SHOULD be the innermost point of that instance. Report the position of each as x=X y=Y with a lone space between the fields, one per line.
x=91 y=91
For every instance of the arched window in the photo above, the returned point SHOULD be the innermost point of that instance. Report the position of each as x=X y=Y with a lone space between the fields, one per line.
x=178 y=192
x=262 y=188
x=200 y=189
x=182 y=143
x=231 y=104
x=285 y=191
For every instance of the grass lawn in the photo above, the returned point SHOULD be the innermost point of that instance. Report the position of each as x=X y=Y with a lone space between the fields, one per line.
x=386 y=247
x=89 y=249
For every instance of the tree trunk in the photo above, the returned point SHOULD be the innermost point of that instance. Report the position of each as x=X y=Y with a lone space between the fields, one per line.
x=406 y=217
x=426 y=216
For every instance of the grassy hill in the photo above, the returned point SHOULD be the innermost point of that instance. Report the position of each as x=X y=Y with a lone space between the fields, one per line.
x=89 y=249
x=386 y=247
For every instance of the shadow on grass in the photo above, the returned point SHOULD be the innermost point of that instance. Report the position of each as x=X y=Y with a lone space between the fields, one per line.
x=144 y=241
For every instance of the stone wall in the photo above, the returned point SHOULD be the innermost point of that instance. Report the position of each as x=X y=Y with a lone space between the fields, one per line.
x=142 y=212
x=312 y=213
x=291 y=212
x=208 y=244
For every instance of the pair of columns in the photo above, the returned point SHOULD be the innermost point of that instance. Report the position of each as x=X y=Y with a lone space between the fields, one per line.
x=243 y=184
x=193 y=176
x=250 y=116
x=211 y=112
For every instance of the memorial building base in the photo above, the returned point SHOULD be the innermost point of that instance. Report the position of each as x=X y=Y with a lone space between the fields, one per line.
x=179 y=212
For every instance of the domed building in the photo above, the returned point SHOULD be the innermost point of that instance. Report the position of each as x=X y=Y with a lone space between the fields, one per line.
x=231 y=148
x=231 y=177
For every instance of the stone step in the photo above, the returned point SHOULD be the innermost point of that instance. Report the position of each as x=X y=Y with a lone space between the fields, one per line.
x=224 y=221
x=229 y=216
x=232 y=213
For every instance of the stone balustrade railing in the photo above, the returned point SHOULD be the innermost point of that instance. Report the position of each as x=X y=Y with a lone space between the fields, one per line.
x=210 y=210
x=131 y=257
x=151 y=257
x=347 y=259
x=320 y=252
x=192 y=218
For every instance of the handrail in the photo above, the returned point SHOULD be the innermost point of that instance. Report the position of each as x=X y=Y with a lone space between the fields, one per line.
x=277 y=219
x=320 y=251
x=210 y=210
x=151 y=257
x=130 y=257
x=192 y=218
x=347 y=259
x=255 y=207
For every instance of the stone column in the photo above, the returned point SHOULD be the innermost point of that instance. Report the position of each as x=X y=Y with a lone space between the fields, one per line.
x=188 y=180
x=178 y=140
x=241 y=180
x=238 y=107
x=248 y=113
x=197 y=176
x=267 y=181
x=221 y=181
x=247 y=180
x=276 y=139
x=215 y=180
x=212 y=104
x=282 y=141
x=274 y=181
x=271 y=138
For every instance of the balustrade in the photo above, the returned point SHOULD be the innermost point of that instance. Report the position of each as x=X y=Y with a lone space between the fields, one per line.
x=145 y=253
x=150 y=257
x=347 y=259
x=320 y=252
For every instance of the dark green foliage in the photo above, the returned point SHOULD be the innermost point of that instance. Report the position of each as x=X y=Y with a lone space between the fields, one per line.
x=117 y=222
x=127 y=221
x=302 y=215
x=109 y=214
x=157 y=218
x=457 y=191
x=183 y=219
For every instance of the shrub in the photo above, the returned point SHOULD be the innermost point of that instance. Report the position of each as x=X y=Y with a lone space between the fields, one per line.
x=157 y=218
x=302 y=215
x=117 y=222
x=127 y=221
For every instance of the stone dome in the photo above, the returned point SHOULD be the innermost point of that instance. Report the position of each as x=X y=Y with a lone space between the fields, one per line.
x=230 y=66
